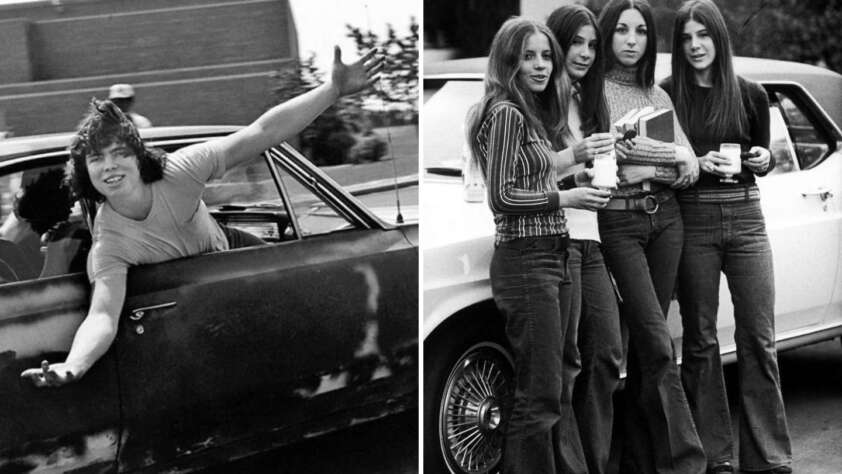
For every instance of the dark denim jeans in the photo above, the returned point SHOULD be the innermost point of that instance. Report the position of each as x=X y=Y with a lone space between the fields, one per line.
x=595 y=319
x=531 y=287
x=643 y=251
x=731 y=238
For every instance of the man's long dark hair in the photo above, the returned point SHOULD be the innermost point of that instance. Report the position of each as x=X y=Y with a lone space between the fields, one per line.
x=103 y=125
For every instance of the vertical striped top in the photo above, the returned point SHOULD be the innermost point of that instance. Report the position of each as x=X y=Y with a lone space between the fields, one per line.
x=519 y=174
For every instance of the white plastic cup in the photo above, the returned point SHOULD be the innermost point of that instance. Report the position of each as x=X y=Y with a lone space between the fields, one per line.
x=605 y=171
x=732 y=152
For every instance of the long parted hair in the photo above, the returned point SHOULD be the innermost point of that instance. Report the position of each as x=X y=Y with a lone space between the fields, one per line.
x=726 y=110
x=608 y=23
x=565 y=22
x=545 y=112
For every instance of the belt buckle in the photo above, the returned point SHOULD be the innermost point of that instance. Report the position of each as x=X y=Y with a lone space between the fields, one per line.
x=656 y=204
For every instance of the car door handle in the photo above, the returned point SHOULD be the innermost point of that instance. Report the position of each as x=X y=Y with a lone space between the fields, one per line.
x=823 y=193
x=138 y=313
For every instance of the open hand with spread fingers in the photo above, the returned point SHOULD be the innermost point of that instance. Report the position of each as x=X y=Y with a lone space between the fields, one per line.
x=51 y=375
x=354 y=77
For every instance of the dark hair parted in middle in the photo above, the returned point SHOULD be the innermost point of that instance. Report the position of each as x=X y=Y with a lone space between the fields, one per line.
x=608 y=24
x=727 y=112
x=104 y=125
x=565 y=22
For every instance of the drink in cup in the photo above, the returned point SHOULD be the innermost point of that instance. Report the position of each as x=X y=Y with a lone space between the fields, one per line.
x=732 y=152
x=605 y=171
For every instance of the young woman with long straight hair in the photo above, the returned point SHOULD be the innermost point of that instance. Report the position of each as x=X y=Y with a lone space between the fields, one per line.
x=594 y=314
x=512 y=133
x=642 y=236
x=724 y=232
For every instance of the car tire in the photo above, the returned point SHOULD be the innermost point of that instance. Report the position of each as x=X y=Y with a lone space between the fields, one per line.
x=468 y=388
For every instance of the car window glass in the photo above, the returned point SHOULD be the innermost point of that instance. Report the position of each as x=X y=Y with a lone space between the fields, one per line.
x=314 y=216
x=247 y=198
x=46 y=237
x=780 y=145
x=810 y=144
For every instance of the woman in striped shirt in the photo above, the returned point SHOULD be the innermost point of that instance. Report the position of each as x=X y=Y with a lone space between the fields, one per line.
x=725 y=232
x=513 y=132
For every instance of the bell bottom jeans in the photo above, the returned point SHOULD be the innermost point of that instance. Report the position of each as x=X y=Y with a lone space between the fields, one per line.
x=642 y=251
x=731 y=238
x=595 y=318
x=531 y=287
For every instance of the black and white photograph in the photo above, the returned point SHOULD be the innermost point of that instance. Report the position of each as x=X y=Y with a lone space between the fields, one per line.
x=630 y=236
x=209 y=236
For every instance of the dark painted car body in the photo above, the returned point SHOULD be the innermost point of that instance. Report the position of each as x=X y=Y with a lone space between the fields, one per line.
x=220 y=355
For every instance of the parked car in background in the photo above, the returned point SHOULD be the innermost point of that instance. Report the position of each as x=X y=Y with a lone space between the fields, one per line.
x=467 y=364
x=221 y=355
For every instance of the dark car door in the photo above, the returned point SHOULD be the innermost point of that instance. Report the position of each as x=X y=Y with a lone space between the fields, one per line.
x=230 y=353
x=47 y=429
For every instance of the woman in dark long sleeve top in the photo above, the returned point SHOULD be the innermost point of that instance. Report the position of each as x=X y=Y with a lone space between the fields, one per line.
x=724 y=232
x=513 y=132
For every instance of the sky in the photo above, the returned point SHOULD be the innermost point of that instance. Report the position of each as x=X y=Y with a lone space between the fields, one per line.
x=321 y=23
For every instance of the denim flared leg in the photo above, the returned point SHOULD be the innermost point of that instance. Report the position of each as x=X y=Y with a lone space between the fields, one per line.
x=764 y=435
x=600 y=349
x=531 y=288
x=643 y=252
x=731 y=238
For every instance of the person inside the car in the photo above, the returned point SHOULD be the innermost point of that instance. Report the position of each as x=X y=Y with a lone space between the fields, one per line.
x=512 y=133
x=594 y=315
x=641 y=233
x=150 y=204
x=45 y=204
x=724 y=232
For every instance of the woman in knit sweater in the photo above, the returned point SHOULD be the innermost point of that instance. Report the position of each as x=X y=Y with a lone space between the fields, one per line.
x=513 y=132
x=642 y=236
x=724 y=231
x=593 y=309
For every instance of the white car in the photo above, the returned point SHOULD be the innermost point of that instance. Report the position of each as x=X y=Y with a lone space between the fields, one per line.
x=467 y=365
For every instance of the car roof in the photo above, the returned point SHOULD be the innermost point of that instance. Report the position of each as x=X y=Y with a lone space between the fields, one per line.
x=823 y=84
x=16 y=147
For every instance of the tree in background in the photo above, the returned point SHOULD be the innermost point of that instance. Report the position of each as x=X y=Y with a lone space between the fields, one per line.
x=343 y=133
x=399 y=85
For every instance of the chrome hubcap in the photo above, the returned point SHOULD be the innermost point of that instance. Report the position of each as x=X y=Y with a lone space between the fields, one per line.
x=475 y=402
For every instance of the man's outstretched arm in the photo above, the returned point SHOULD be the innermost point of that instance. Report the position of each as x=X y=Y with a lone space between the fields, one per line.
x=288 y=119
x=93 y=338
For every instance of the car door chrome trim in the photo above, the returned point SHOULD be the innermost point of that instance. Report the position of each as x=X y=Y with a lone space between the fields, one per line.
x=138 y=313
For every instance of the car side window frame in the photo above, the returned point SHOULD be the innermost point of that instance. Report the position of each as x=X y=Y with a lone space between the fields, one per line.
x=812 y=111
x=304 y=172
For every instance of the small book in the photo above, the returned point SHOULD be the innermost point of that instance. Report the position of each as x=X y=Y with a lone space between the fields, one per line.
x=631 y=124
x=657 y=125
x=620 y=123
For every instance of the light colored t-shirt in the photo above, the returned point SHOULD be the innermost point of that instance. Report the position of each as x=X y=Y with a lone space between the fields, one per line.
x=178 y=225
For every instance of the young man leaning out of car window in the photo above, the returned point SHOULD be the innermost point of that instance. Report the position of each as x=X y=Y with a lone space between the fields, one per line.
x=145 y=196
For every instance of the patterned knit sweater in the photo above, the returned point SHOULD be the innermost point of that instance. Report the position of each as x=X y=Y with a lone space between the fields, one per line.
x=623 y=94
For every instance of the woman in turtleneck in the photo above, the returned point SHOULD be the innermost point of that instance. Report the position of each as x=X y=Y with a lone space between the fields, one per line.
x=642 y=236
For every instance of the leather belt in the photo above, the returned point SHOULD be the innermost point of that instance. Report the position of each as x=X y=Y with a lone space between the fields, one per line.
x=649 y=203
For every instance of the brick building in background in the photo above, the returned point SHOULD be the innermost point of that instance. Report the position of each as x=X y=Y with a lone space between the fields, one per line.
x=191 y=62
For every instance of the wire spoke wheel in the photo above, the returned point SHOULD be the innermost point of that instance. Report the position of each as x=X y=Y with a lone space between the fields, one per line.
x=476 y=402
